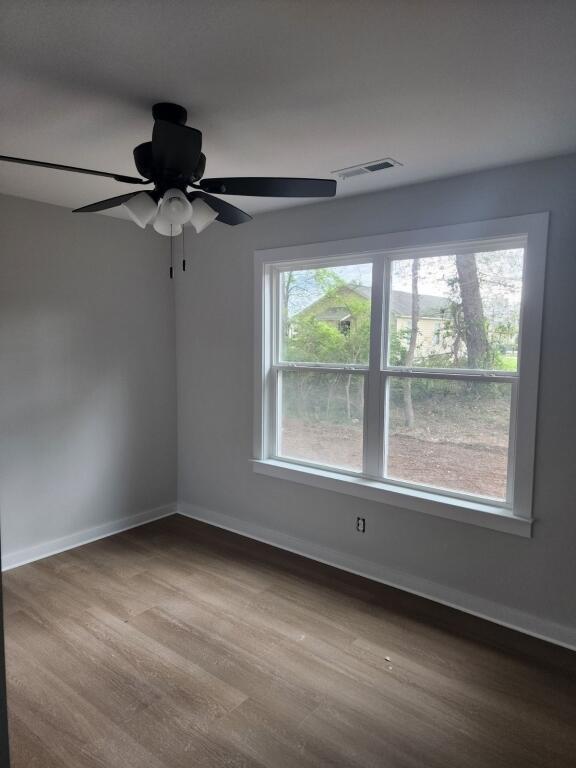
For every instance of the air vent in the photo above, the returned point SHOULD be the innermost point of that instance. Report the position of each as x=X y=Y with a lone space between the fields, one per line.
x=371 y=167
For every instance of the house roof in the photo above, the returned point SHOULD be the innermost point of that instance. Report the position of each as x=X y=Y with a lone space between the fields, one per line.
x=430 y=306
x=401 y=303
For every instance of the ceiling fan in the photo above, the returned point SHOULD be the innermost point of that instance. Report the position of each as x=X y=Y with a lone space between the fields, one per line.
x=173 y=162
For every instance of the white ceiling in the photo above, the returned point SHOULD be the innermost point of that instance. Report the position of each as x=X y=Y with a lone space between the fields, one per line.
x=284 y=87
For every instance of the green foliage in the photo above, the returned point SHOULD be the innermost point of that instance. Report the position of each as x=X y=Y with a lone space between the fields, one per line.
x=313 y=340
x=508 y=362
x=307 y=338
x=396 y=347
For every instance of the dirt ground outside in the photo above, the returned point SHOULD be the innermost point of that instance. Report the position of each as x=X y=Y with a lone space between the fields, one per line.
x=469 y=460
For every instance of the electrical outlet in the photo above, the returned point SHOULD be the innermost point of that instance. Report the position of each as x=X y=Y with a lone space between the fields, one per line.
x=361 y=524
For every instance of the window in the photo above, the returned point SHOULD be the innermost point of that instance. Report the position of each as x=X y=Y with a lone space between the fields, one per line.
x=394 y=368
x=345 y=326
x=324 y=320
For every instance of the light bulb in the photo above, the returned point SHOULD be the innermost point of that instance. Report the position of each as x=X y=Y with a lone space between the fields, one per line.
x=202 y=215
x=141 y=209
x=175 y=207
x=164 y=227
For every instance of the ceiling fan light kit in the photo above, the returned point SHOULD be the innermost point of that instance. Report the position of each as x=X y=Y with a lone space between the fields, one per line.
x=175 y=207
x=142 y=208
x=202 y=215
x=164 y=227
x=173 y=162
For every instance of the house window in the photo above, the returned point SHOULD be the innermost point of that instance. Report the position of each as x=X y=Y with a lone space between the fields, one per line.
x=393 y=367
x=345 y=326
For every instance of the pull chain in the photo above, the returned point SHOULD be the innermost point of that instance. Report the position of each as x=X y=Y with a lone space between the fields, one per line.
x=171 y=255
x=183 y=251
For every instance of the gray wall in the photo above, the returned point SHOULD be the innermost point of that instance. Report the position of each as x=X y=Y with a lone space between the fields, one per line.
x=87 y=373
x=4 y=750
x=491 y=572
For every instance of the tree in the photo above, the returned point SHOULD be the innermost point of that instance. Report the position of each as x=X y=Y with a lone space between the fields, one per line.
x=477 y=345
x=411 y=351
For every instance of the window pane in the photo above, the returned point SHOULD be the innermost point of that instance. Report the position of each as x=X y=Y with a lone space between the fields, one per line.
x=449 y=434
x=456 y=311
x=325 y=314
x=321 y=418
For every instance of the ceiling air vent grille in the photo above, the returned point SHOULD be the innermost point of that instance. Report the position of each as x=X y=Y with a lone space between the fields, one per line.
x=365 y=168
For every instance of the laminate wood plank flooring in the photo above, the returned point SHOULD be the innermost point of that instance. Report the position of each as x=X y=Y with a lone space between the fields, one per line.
x=178 y=645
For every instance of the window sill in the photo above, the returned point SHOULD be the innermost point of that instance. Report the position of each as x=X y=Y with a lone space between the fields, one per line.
x=474 y=513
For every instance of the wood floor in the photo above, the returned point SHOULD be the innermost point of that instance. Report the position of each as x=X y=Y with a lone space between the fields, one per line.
x=179 y=645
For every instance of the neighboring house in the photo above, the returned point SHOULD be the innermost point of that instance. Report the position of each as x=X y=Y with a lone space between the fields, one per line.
x=433 y=336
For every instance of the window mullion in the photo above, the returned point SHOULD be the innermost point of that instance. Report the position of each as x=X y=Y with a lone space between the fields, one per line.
x=373 y=433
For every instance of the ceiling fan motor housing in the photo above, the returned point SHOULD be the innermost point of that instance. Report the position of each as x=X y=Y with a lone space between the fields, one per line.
x=172 y=113
x=173 y=158
x=143 y=159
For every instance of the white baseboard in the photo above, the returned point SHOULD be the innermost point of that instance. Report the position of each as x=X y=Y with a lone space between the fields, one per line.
x=512 y=618
x=53 y=547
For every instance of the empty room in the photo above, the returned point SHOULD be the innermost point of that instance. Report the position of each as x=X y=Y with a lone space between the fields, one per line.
x=287 y=412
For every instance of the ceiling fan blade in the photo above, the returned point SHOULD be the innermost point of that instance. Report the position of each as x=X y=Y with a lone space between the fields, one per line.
x=74 y=169
x=103 y=205
x=270 y=187
x=175 y=149
x=227 y=213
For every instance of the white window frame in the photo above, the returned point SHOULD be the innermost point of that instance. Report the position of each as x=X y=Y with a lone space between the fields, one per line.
x=530 y=232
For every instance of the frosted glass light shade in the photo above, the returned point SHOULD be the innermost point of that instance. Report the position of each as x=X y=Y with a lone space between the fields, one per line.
x=164 y=227
x=175 y=208
x=202 y=215
x=141 y=209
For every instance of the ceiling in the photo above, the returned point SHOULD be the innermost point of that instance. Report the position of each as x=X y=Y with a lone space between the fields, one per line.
x=284 y=87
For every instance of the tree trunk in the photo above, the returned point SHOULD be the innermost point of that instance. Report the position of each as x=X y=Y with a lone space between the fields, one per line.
x=286 y=289
x=407 y=383
x=328 y=401
x=473 y=311
x=347 y=386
